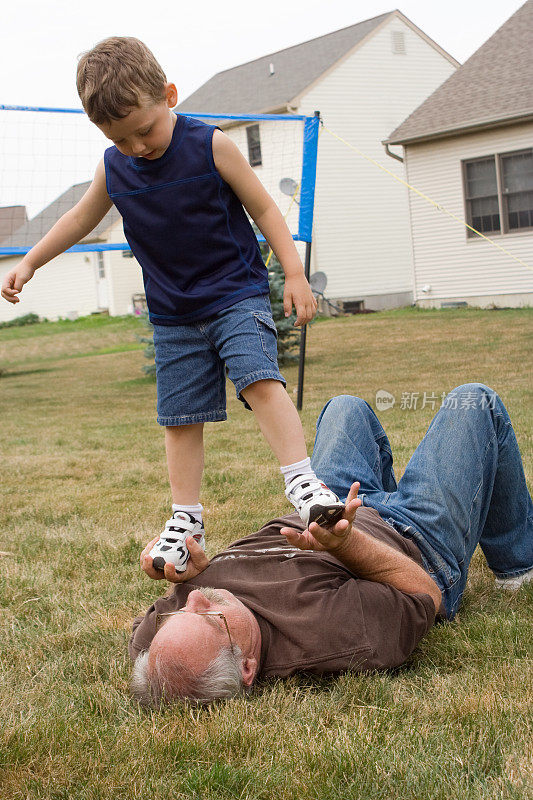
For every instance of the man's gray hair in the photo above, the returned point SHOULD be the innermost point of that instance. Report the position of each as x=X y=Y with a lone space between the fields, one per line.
x=169 y=680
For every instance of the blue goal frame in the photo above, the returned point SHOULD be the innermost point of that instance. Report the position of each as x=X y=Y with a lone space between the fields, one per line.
x=307 y=178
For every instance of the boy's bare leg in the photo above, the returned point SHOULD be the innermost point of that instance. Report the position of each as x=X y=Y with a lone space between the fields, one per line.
x=185 y=459
x=278 y=419
x=281 y=426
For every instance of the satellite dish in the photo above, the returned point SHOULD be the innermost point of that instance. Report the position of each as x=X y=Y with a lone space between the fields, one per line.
x=318 y=282
x=288 y=186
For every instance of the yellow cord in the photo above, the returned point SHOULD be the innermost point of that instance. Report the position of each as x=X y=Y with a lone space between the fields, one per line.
x=429 y=200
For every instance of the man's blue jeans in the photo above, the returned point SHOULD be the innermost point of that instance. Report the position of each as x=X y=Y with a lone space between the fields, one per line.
x=464 y=484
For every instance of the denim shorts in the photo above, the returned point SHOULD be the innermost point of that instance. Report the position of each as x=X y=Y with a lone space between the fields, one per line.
x=192 y=361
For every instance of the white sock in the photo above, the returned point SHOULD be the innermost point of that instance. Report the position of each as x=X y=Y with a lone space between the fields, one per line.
x=195 y=511
x=299 y=468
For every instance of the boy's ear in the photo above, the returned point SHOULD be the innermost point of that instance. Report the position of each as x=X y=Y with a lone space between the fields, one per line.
x=171 y=95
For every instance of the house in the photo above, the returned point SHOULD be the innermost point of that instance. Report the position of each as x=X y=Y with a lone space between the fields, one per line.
x=75 y=283
x=364 y=80
x=469 y=146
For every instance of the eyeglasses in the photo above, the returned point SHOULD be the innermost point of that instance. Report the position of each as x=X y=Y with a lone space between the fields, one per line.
x=160 y=619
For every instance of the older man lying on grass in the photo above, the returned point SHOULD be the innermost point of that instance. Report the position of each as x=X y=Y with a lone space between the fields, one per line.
x=361 y=595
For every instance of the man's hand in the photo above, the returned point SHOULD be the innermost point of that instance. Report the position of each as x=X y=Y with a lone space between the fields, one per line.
x=329 y=539
x=297 y=292
x=197 y=562
x=365 y=556
x=15 y=280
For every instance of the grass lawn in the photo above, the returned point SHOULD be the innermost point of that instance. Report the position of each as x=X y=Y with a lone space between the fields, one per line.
x=84 y=486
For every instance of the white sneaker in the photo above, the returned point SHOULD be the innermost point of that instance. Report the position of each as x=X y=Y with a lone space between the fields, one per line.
x=314 y=502
x=514 y=582
x=171 y=547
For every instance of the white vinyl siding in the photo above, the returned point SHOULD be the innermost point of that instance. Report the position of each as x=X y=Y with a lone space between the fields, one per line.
x=455 y=265
x=362 y=234
x=124 y=275
x=281 y=154
x=67 y=285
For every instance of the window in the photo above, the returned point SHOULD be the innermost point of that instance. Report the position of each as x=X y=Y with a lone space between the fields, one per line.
x=517 y=189
x=499 y=192
x=481 y=190
x=101 y=264
x=254 y=145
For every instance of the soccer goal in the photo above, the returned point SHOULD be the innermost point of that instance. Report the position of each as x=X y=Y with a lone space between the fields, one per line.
x=48 y=157
x=47 y=160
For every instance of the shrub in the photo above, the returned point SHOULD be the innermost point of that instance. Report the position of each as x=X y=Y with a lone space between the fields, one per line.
x=25 y=319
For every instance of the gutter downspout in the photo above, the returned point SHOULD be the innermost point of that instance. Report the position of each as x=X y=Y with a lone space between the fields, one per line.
x=390 y=153
x=413 y=267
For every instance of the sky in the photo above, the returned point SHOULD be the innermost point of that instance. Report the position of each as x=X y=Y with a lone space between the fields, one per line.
x=41 y=155
x=194 y=40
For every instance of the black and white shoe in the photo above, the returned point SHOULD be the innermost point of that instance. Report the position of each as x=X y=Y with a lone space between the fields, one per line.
x=171 y=547
x=314 y=502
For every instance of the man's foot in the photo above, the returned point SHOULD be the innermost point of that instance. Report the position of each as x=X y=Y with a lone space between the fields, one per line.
x=514 y=582
x=314 y=502
x=171 y=547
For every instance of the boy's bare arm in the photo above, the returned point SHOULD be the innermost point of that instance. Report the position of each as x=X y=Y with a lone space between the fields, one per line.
x=369 y=558
x=69 y=229
x=237 y=172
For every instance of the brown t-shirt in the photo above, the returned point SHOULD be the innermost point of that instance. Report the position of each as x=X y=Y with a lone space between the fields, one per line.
x=315 y=615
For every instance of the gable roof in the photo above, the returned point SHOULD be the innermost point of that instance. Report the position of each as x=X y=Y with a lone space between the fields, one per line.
x=251 y=89
x=493 y=88
x=11 y=218
x=34 y=229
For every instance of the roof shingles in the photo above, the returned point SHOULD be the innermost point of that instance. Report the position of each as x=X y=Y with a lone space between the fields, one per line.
x=11 y=218
x=251 y=88
x=493 y=87
x=34 y=229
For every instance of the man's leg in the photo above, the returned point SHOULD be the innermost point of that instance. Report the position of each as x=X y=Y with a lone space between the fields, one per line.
x=465 y=485
x=351 y=445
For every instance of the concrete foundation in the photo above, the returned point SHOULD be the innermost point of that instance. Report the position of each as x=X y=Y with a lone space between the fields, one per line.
x=479 y=301
x=375 y=302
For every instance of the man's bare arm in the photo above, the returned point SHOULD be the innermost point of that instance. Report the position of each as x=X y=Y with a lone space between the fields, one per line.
x=369 y=558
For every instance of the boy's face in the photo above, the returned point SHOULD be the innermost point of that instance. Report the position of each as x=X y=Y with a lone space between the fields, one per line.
x=146 y=131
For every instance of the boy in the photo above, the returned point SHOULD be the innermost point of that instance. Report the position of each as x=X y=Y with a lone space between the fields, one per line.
x=180 y=186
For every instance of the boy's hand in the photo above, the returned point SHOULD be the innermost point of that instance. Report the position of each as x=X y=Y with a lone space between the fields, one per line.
x=15 y=280
x=329 y=539
x=197 y=562
x=297 y=292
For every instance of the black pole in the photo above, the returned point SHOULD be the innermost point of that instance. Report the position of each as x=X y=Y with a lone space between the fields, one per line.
x=303 y=336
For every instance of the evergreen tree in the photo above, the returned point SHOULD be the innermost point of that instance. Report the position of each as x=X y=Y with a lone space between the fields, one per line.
x=288 y=335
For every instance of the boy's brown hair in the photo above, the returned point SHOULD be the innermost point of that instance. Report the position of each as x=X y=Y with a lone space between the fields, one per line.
x=116 y=75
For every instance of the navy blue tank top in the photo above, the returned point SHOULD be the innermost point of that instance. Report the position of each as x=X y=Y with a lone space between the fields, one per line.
x=186 y=227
